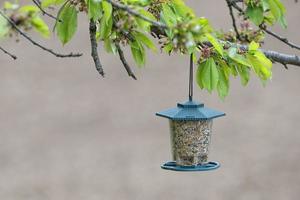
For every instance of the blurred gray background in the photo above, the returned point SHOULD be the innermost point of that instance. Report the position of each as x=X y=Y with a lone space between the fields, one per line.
x=67 y=133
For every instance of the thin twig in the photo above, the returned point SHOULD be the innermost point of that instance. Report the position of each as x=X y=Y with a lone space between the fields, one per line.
x=123 y=31
x=36 y=43
x=229 y=4
x=279 y=37
x=263 y=28
x=38 y=4
x=233 y=4
x=94 y=50
x=124 y=62
x=6 y=52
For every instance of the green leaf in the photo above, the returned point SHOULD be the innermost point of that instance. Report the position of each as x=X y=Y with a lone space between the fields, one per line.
x=168 y=48
x=278 y=10
x=264 y=72
x=275 y=10
x=253 y=46
x=107 y=9
x=223 y=84
x=237 y=57
x=244 y=72
x=168 y=16
x=199 y=74
x=4 y=27
x=68 y=26
x=106 y=22
x=142 y=38
x=105 y=27
x=10 y=6
x=29 y=9
x=141 y=3
x=263 y=60
x=94 y=9
x=40 y=26
x=110 y=46
x=282 y=22
x=190 y=43
x=138 y=53
x=204 y=25
x=210 y=74
x=215 y=43
x=47 y=3
x=182 y=10
x=233 y=69
x=144 y=25
x=255 y=14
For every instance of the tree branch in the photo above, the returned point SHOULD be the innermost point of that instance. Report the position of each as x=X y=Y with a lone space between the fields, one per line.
x=94 y=50
x=282 y=58
x=36 y=43
x=6 y=52
x=274 y=56
x=124 y=62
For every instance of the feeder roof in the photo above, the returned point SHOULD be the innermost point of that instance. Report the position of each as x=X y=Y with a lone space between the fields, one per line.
x=190 y=110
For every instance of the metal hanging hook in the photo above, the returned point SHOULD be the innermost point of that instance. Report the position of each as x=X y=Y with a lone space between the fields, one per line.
x=191 y=77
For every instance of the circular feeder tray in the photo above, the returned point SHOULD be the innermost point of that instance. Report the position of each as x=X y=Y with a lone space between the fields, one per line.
x=205 y=167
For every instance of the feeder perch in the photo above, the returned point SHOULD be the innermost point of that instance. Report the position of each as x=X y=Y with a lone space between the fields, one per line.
x=190 y=130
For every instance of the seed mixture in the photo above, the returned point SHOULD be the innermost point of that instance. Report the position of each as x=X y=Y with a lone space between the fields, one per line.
x=190 y=141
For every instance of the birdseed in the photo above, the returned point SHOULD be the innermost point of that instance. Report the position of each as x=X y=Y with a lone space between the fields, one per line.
x=190 y=141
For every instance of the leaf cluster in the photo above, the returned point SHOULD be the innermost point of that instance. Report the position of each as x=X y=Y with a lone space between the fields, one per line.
x=183 y=32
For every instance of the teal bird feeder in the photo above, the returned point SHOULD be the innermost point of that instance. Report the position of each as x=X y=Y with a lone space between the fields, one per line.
x=190 y=130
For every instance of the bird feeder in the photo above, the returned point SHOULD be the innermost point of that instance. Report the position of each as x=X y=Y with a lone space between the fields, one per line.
x=190 y=129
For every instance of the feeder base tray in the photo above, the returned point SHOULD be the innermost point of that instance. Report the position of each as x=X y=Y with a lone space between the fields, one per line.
x=205 y=167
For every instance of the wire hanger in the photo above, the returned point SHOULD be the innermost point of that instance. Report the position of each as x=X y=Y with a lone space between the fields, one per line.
x=191 y=77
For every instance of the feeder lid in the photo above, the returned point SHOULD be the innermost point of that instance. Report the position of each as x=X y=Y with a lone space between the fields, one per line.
x=190 y=110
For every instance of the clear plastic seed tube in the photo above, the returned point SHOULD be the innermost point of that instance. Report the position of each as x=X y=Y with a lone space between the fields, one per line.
x=190 y=141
